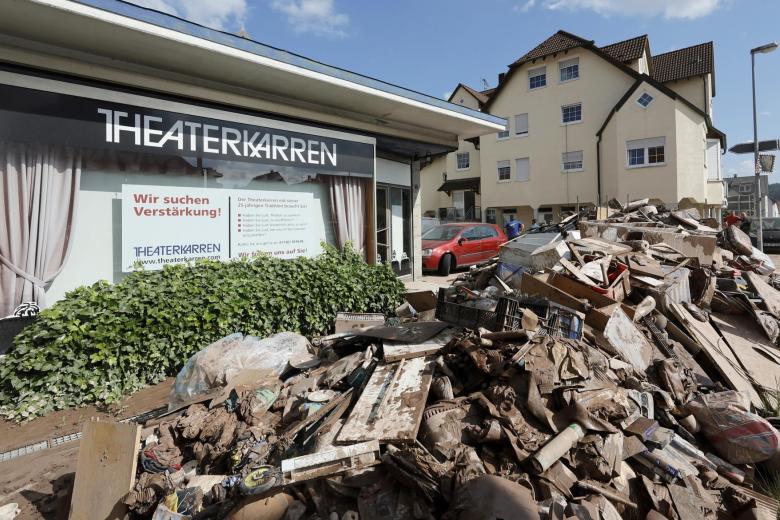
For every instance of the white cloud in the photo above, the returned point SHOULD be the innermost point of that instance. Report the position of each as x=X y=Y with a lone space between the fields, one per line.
x=524 y=8
x=313 y=16
x=222 y=14
x=668 y=8
x=741 y=168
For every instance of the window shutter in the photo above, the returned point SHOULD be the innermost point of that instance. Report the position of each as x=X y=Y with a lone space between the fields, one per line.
x=569 y=63
x=523 y=169
x=521 y=124
x=572 y=156
x=646 y=143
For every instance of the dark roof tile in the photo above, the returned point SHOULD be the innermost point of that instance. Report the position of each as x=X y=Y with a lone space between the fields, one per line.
x=558 y=42
x=684 y=63
x=627 y=50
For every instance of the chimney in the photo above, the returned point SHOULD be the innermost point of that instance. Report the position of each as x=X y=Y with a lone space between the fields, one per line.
x=501 y=77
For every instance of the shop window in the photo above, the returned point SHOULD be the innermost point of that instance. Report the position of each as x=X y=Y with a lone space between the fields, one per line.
x=193 y=185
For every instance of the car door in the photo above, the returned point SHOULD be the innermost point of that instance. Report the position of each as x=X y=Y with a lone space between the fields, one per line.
x=469 y=246
x=491 y=242
x=487 y=242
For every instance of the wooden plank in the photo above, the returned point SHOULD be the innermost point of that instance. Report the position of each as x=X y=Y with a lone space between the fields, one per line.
x=105 y=471
x=331 y=462
x=752 y=349
x=769 y=294
x=397 y=350
x=578 y=274
x=717 y=351
x=391 y=406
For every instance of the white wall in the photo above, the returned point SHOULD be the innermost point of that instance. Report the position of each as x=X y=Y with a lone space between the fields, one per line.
x=393 y=172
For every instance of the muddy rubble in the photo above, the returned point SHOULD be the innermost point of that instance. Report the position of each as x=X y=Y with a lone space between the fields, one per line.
x=619 y=368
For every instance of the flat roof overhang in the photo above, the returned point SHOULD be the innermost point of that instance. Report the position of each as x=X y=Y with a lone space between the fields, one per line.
x=126 y=34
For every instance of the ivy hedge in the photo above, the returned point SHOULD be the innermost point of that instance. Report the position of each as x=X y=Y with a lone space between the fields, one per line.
x=102 y=342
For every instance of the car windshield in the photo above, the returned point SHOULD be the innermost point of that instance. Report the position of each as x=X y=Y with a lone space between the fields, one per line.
x=771 y=224
x=442 y=233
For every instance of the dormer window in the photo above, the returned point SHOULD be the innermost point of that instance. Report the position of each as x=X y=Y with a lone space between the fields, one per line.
x=644 y=100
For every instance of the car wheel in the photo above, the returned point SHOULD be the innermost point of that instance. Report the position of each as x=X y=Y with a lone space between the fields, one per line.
x=446 y=265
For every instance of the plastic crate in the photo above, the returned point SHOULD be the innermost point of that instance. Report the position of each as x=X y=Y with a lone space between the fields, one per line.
x=554 y=320
x=463 y=315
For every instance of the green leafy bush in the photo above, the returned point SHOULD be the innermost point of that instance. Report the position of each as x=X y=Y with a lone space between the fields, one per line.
x=104 y=341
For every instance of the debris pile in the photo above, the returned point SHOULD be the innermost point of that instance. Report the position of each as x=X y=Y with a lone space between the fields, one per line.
x=623 y=369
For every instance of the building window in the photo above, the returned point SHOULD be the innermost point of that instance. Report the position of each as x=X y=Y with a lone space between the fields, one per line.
x=504 y=173
x=570 y=69
x=645 y=99
x=745 y=188
x=636 y=156
x=521 y=124
x=462 y=160
x=523 y=167
x=646 y=152
x=571 y=113
x=572 y=161
x=655 y=155
x=503 y=134
x=537 y=78
x=490 y=215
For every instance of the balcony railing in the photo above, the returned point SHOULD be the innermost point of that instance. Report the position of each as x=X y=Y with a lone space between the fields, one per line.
x=471 y=214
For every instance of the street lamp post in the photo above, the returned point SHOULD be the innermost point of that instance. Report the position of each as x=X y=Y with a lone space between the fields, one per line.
x=763 y=49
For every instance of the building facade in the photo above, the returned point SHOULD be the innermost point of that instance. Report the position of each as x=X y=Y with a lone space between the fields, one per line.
x=115 y=150
x=741 y=196
x=587 y=124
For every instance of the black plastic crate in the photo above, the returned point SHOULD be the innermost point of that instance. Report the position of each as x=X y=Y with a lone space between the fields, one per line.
x=554 y=320
x=463 y=315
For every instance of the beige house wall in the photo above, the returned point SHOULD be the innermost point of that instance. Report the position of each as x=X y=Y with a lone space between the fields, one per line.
x=632 y=122
x=695 y=90
x=599 y=86
x=461 y=96
x=692 y=141
x=433 y=177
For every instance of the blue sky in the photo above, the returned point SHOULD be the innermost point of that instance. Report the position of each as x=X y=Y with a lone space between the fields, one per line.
x=431 y=45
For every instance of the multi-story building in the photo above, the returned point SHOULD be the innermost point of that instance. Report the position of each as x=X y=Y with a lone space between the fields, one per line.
x=586 y=124
x=741 y=196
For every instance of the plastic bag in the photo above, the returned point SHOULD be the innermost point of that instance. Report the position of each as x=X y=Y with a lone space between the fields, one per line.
x=739 y=436
x=213 y=366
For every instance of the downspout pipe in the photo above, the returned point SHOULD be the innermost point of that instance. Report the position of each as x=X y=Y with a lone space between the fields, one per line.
x=598 y=171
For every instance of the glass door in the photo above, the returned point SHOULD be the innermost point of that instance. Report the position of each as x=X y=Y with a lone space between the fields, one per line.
x=394 y=227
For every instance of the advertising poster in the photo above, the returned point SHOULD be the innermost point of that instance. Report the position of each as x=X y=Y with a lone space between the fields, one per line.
x=170 y=225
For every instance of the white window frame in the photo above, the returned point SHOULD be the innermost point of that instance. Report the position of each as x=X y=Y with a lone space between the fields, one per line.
x=488 y=213
x=564 y=162
x=535 y=73
x=652 y=98
x=457 y=161
x=517 y=169
x=501 y=165
x=645 y=145
x=574 y=122
x=745 y=185
x=503 y=134
x=517 y=126
x=568 y=64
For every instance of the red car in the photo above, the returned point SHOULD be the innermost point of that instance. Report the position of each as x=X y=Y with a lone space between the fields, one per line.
x=448 y=246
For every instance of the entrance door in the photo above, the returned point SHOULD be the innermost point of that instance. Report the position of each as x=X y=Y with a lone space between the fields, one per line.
x=394 y=227
x=382 y=226
x=469 y=201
